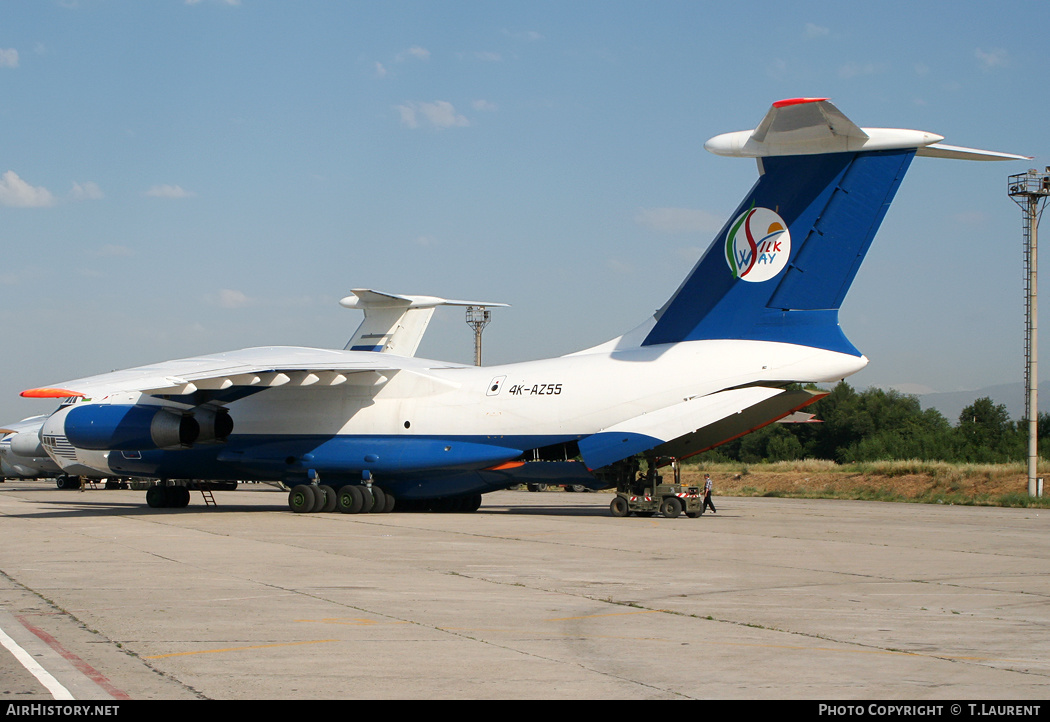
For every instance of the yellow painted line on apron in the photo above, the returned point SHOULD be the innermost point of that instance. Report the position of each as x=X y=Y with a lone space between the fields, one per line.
x=611 y=614
x=239 y=649
x=352 y=621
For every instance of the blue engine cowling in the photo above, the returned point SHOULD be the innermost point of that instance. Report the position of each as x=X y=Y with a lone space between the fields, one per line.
x=124 y=427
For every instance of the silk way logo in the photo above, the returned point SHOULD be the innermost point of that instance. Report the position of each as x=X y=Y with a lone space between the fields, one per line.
x=758 y=245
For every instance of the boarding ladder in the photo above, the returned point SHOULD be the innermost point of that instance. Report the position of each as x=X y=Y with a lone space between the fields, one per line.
x=209 y=498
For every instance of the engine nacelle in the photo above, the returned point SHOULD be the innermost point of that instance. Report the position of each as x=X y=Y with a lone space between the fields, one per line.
x=124 y=427
x=27 y=444
x=215 y=424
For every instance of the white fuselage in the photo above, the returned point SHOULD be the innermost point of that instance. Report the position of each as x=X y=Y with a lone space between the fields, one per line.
x=538 y=402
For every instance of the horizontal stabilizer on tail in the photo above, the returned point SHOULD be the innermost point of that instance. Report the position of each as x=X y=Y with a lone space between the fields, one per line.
x=395 y=323
x=806 y=126
x=940 y=150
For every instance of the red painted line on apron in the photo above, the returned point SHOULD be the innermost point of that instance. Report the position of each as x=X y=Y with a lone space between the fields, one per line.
x=86 y=669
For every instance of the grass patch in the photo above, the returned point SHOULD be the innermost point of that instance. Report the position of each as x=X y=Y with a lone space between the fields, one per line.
x=917 y=481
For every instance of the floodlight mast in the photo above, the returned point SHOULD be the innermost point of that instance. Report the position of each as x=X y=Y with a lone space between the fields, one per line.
x=1030 y=191
x=478 y=317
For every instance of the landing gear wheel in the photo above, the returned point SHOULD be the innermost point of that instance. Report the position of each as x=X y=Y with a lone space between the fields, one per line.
x=178 y=497
x=351 y=499
x=391 y=502
x=301 y=498
x=618 y=507
x=671 y=507
x=157 y=497
x=368 y=500
x=329 y=501
x=379 y=505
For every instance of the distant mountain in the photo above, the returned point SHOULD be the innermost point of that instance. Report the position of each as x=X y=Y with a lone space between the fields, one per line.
x=952 y=403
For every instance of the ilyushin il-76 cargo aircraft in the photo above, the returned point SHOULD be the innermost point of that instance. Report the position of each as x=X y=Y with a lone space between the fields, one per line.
x=368 y=427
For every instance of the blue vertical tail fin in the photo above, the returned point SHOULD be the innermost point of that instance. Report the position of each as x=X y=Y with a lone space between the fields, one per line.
x=781 y=266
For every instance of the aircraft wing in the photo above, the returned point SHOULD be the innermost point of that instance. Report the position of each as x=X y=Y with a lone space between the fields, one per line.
x=651 y=430
x=225 y=377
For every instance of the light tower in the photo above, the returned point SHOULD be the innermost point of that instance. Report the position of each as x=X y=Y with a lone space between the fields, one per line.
x=1030 y=191
x=478 y=318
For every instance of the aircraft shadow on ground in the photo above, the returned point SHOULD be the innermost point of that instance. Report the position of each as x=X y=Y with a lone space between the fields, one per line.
x=84 y=508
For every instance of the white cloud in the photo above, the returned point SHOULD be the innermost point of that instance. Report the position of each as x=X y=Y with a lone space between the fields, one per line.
x=17 y=193
x=380 y=70
x=414 y=53
x=88 y=191
x=228 y=298
x=169 y=191
x=992 y=59
x=408 y=116
x=483 y=105
x=439 y=114
x=679 y=220
x=816 y=31
x=488 y=57
x=8 y=58
x=232 y=299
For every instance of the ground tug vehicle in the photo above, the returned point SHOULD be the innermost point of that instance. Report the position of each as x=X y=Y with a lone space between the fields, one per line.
x=647 y=494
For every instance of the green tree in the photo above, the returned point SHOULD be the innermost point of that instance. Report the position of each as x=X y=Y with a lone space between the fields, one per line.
x=986 y=434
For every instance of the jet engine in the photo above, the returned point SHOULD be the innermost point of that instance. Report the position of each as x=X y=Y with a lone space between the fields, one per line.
x=214 y=422
x=27 y=444
x=124 y=427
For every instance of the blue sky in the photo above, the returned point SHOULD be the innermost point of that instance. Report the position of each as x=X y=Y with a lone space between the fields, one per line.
x=179 y=178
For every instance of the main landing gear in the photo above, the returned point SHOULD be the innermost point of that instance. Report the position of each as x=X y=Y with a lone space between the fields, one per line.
x=361 y=499
x=349 y=499
x=160 y=496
